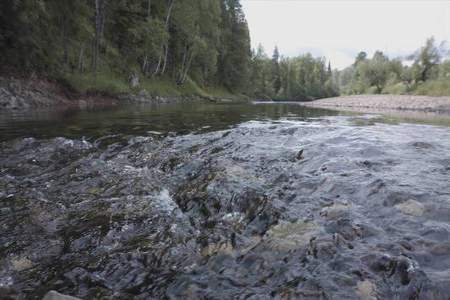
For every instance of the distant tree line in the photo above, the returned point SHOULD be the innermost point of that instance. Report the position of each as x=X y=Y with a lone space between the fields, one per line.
x=298 y=78
x=203 y=40
x=429 y=74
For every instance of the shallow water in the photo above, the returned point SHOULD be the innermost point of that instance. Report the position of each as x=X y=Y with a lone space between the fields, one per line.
x=180 y=118
x=217 y=202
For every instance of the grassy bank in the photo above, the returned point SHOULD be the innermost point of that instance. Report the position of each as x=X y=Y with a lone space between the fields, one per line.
x=108 y=83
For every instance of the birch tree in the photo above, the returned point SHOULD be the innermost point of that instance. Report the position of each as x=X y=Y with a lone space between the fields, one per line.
x=99 y=29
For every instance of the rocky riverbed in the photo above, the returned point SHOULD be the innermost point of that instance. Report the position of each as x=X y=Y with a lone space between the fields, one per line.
x=362 y=212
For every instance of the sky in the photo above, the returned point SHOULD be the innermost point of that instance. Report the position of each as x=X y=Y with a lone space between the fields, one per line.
x=338 y=29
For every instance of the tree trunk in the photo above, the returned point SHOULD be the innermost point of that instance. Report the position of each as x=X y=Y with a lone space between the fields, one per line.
x=149 y=8
x=158 y=66
x=288 y=86
x=169 y=12
x=166 y=50
x=165 y=47
x=180 y=75
x=134 y=80
x=186 y=71
x=99 y=28
x=81 y=59
x=188 y=67
x=188 y=57
x=65 y=42
x=144 y=65
x=97 y=34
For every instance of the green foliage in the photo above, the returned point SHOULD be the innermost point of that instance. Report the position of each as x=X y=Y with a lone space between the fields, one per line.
x=444 y=70
x=102 y=81
x=261 y=75
x=427 y=75
x=188 y=46
x=276 y=75
x=398 y=88
x=436 y=87
x=374 y=72
x=106 y=82
x=234 y=69
x=361 y=57
x=299 y=78
x=426 y=61
x=168 y=40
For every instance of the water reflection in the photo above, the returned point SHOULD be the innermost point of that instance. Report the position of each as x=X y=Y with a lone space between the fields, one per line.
x=179 y=118
x=140 y=120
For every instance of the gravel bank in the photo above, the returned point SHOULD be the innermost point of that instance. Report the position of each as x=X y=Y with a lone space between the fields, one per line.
x=387 y=102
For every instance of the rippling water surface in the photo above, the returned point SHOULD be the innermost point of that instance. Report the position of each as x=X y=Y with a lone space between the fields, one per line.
x=206 y=201
x=178 y=118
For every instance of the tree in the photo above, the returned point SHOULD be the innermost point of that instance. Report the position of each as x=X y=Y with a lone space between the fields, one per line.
x=375 y=72
x=362 y=56
x=187 y=42
x=165 y=46
x=276 y=77
x=205 y=65
x=100 y=6
x=236 y=55
x=426 y=60
x=329 y=72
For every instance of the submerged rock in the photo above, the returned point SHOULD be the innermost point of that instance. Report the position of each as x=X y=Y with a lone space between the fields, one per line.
x=21 y=263
x=53 y=295
x=290 y=236
x=366 y=290
x=411 y=207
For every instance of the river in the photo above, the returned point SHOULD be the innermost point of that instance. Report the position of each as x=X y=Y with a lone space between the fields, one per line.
x=223 y=201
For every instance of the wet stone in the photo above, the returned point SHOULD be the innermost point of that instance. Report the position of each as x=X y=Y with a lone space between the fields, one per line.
x=366 y=290
x=21 y=263
x=53 y=295
x=411 y=207
x=289 y=236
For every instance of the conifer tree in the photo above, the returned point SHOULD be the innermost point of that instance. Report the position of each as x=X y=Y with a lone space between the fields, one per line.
x=276 y=77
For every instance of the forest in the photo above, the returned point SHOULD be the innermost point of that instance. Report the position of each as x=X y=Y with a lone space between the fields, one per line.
x=298 y=78
x=428 y=73
x=105 y=44
x=307 y=78
x=194 y=47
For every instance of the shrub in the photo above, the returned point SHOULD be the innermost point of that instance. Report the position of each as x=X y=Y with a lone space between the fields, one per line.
x=396 y=89
x=438 y=87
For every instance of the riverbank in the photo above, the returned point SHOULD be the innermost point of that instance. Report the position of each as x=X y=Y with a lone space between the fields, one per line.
x=379 y=103
x=23 y=93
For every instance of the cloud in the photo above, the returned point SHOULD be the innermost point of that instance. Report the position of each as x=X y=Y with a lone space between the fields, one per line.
x=340 y=29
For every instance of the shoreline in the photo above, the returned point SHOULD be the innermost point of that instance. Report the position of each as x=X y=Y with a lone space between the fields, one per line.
x=383 y=103
x=19 y=94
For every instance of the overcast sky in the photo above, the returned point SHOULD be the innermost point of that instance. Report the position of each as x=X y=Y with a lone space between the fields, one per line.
x=339 y=29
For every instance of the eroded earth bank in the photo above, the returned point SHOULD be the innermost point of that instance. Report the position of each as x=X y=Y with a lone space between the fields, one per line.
x=363 y=212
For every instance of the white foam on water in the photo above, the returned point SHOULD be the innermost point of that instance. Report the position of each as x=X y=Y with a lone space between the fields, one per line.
x=165 y=202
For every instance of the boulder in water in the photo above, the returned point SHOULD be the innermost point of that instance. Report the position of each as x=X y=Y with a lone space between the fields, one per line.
x=53 y=295
x=411 y=207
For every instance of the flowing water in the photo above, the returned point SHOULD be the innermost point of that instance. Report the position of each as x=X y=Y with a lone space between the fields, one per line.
x=223 y=201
